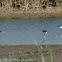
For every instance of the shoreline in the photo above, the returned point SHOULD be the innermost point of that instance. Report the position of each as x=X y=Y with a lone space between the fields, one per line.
x=49 y=12
x=18 y=52
x=10 y=45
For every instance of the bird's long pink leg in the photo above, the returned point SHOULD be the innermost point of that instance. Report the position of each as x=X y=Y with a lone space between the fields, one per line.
x=45 y=37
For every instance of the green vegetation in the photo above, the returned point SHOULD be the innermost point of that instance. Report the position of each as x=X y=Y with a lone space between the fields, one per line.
x=39 y=57
x=32 y=56
x=58 y=0
x=29 y=3
x=30 y=45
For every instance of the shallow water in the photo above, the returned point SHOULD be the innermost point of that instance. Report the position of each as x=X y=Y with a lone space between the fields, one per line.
x=29 y=31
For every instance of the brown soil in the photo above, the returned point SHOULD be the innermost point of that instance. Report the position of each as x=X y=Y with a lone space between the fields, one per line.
x=31 y=13
x=24 y=51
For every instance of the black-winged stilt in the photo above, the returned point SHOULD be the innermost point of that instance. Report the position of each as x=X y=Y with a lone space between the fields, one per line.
x=45 y=32
x=60 y=26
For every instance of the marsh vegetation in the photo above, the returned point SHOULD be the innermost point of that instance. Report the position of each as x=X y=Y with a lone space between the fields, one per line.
x=29 y=4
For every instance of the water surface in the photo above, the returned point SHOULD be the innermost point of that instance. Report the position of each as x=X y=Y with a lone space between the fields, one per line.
x=27 y=31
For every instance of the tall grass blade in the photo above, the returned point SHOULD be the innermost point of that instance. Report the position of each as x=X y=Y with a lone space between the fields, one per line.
x=10 y=58
x=43 y=60
x=42 y=57
x=37 y=45
x=1 y=61
x=51 y=56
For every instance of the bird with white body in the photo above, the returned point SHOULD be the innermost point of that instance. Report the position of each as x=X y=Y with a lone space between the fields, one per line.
x=60 y=26
x=45 y=32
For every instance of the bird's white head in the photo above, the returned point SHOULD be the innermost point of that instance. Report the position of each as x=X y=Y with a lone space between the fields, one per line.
x=60 y=27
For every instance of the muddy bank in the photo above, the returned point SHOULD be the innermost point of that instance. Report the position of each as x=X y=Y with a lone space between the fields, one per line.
x=30 y=53
x=31 y=13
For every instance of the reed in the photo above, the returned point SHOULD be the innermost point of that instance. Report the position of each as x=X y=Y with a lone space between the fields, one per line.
x=30 y=2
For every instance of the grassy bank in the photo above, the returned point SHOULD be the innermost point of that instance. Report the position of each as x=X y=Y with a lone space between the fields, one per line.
x=52 y=45
x=30 y=9
x=31 y=53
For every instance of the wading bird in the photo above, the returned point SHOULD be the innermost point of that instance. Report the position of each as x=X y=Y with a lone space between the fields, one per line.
x=45 y=32
x=60 y=27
